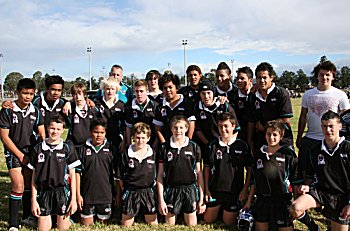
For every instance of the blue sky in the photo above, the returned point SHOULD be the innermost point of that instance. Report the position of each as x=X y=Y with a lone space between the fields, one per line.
x=146 y=34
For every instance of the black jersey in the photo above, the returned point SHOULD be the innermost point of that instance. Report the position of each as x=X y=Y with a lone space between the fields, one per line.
x=277 y=105
x=220 y=92
x=79 y=123
x=96 y=170
x=115 y=119
x=137 y=173
x=227 y=164
x=331 y=168
x=206 y=118
x=52 y=164
x=22 y=125
x=165 y=113
x=135 y=113
x=190 y=93
x=274 y=175
x=47 y=110
x=180 y=163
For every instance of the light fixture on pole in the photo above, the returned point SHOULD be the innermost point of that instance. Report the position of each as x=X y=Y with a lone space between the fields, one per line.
x=88 y=50
x=184 y=43
x=1 y=80
x=232 y=61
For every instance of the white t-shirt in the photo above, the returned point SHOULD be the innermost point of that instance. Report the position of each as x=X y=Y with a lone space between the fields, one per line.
x=319 y=102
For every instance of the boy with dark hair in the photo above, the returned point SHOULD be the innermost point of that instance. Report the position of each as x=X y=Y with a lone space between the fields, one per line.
x=223 y=80
x=273 y=167
x=173 y=104
x=224 y=173
x=329 y=162
x=269 y=102
x=53 y=182
x=194 y=76
x=179 y=171
x=137 y=176
x=18 y=129
x=154 y=92
x=97 y=158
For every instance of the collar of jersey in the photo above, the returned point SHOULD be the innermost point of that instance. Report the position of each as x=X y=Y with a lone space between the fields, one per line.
x=222 y=144
x=173 y=145
x=26 y=111
x=166 y=103
x=203 y=107
x=134 y=104
x=241 y=95
x=221 y=92
x=89 y=143
x=324 y=148
x=78 y=110
x=46 y=147
x=115 y=99
x=262 y=149
x=259 y=96
x=43 y=102
x=131 y=153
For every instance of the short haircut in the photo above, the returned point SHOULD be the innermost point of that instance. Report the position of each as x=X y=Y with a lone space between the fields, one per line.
x=224 y=66
x=152 y=73
x=25 y=83
x=58 y=119
x=193 y=68
x=167 y=77
x=116 y=66
x=245 y=70
x=110 y=82
x=325 y=65
x=265 y=66
x=329 y=115
x=140 y=128
x=226 y=116
x=78 y=88
x=53 y=79
x=98 y=122
x=177 y=119
x=276 y=125
x=141 y=83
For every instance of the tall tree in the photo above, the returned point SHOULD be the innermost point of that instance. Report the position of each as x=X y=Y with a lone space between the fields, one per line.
x=11 y=81
x=39 y=81
x=302 y=81
x=287 y=80
x=344 y=76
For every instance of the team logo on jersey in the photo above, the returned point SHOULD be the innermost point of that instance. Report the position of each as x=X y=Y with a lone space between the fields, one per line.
x=117 y=109
x=181 y=109
x=344 y=156
x=163 y=112
x=58 y=109
x=15 y=119
x=320 y=160
x=218 y=155
x=202 y=115
x=107 y=210
x=257 y=104
x=76 y=119
x=238 y=151
x=149 y=109
x=219 y=111
x=131 y=163
x=102 y=108
x=134 y=114
x=42 y=110
x=88 y=152
x=240 y=105
x=170 y=156
x=150 y=163
x=32 y=117
x=123 y=91
x=41 y=158
x=190 y=94
x=273 y=100
x=259 y=164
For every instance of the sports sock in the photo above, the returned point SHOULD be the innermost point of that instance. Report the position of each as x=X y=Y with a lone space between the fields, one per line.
x=26 y=203
x=306 y=220
x=14 y=206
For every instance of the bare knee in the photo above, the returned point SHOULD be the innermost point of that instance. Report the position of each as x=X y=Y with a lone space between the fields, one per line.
x=296 y=209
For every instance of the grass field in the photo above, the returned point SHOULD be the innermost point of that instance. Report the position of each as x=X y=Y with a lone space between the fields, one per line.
x=5 y=189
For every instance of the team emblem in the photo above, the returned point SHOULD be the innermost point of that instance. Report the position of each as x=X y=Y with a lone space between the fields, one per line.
x=240 y=105
x=320 y=159
x=15 y=119
x=190 y=94
x=135 y=114
x=163 y=112
x=170 y=156
x=259 y=164
x=58 y=109
x=102 y=108
x=219 y=111
x=41 y=158
x=131 y=163
x=257 y=105
x=88 y=152
x=42 y=110
x=218 y=155
x=202 y=115
x=76 y=119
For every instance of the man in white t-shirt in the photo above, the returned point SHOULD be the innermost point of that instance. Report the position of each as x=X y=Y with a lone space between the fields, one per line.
x=315 y=103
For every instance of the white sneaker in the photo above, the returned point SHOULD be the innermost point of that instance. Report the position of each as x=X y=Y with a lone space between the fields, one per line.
x=13 y=229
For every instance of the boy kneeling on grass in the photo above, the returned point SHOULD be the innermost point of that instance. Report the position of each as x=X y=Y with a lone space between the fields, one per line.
x=53 y=182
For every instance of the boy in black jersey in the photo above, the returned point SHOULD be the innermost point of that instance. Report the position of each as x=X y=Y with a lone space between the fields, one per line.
x=53 y=183
x=81 y=117
x=173 y=104
x=223 y=80
x=330 y=188
x=95 y=175
x=137 y=175
x=142 y=109
x=179 y=171
x=18 y=127
x=273 y=175
x=224 y=173
x=194 y=76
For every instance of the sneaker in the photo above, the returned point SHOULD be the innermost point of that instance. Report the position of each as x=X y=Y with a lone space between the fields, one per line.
x=13 y=229
x=30 y=222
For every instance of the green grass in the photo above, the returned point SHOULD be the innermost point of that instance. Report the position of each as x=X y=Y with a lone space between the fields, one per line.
x=5 y=189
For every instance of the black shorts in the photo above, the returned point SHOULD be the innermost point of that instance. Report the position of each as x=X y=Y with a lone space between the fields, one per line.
x=333 y=205
x=181 y=199
x=137 y=201
x=54 y=202
x=12 y=160
x=273 y=210
x=102 y=211
x=228 y=201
